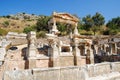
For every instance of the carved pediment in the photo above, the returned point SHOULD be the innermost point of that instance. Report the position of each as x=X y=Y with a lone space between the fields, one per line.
x=65 y=16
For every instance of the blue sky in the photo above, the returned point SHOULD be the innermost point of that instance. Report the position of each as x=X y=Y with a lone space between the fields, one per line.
x=108 y=8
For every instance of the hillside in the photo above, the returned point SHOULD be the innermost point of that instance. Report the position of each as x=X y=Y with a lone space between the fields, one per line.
x=17 y=22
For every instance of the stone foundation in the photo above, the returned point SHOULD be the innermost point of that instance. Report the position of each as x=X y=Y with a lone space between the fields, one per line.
x=102 y=71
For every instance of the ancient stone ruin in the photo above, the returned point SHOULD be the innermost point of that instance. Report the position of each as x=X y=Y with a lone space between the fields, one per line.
x=73 y=57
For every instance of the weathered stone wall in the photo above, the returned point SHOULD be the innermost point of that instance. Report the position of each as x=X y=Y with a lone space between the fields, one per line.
x=18 y=75
x=14 y=65
x=1 y=71
x=66 y=61
x=80 y=61
x=102 y=68
x=14 y=60
x=16 y=35
x=46 y=74
x=102 y=71
x=115 y=66
x=42 y=63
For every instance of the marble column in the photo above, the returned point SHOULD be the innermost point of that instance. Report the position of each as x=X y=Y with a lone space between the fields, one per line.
x=115 y=48
x=55 y=54
x=96 y=49
x=91 y=55
x=54 y=27
x=32 y=50
x=76 y=30
x=77 y=50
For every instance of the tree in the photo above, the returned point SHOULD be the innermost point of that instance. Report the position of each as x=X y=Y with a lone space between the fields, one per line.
x=61 y=27
x=23 y=13
x=98 y=19
x=93 y=22
x=94 y=29
x=8 y=16
x=114 y=26
x=87 y=22
x=114 y=23
x=42 y=23
x=64 y=28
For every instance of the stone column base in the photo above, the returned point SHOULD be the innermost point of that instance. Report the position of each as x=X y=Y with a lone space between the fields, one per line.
x=32 y=63
x=80 y=60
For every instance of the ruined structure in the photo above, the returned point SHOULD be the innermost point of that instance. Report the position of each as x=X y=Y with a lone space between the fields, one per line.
x=72 y=57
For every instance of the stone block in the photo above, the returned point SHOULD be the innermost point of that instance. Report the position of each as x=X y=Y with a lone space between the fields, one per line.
x=90 y=69
x=14 y=65
x=2 y=53
x=102 y=68
x=46 y=74
x=80 y=61
x=18 y=75
x=66 y=61
x=115 y=66
x=69 y=73
x=42 y=63
x=32 y=63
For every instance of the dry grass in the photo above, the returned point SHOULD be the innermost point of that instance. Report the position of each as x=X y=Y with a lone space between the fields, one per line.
x=15 y=25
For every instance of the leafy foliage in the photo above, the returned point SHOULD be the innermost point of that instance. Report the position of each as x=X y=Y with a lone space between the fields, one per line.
x=29 y=28
x=114 y=23
x=41 y=34
x=98 y=19
x=42 y=24
x=3 y=32
x=88 y=22
x=110 y=32
x=6 y=23
x=93 y=22
x=64 y=28
x=114 y=26
x=95 y=29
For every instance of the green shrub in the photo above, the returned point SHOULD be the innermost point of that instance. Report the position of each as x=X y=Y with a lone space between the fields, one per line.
x=110 y=32
x=41 y=34
x=6 y=23
x=106 y=32
x=84 y=32
x=113 y=32
x=3 y=32
x=28 y=29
